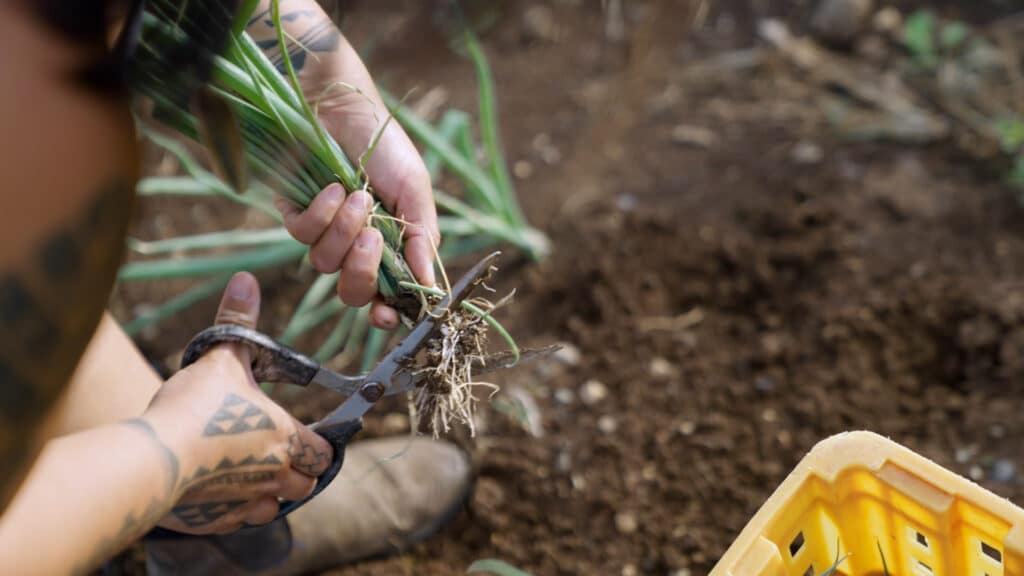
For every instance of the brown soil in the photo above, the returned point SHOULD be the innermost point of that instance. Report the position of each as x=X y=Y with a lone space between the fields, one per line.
x=737 y=304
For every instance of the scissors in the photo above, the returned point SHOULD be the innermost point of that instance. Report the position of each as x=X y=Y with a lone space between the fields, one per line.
x=275 y=362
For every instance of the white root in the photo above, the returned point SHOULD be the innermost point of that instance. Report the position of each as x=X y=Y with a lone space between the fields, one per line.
x=448 y=397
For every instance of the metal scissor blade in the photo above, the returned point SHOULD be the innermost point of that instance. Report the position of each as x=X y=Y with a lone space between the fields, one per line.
x=389 y=370
x=347 y=385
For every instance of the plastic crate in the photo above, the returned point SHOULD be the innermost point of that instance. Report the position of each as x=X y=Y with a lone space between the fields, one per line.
x=861 y=494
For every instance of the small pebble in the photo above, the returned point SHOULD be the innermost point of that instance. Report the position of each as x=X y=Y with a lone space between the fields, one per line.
x=592 y=392
x=649 y=472
x=607 y=424
x=630 y=570
x=681 y=572
x=964 y=454
x=563 y=462
x=522 y=169
x=686 y=135
x=626 y=202
x=997 y=431
x=687 y=427
x=887 y=20
x=769 y=415
x=1004 y=470
x=579 y=482
x=567 y=354
x=976 y=473
x=661 y=368
x=546 y=148
x=625 y=522
x=804 y=152
x=564 y=396
x=784 y=438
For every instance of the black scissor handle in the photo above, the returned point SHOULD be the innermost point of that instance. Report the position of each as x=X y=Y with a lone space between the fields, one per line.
x=271 y=360
x=275 y=362
x=338 y=435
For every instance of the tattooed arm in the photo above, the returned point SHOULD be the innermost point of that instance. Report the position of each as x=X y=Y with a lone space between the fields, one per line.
x=210 y=453
x=328 y=69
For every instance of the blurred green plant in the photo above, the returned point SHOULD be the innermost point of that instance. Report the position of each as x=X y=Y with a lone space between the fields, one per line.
x=484 y=214
x=928 y=40
x=495 y=567
x=932 y=43
x=885 y=565
x=1011 y=137
x=834 y=568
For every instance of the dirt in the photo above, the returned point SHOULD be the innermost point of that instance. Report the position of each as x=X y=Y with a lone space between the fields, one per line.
x=738 y=296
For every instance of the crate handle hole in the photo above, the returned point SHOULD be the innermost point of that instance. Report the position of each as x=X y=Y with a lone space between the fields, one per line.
x=797 y=544
x=810 y=571
x=924 y=567
x=921 y=539
x=991 y=552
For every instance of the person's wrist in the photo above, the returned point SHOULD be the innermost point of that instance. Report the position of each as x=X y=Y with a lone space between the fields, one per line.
x=179 y=439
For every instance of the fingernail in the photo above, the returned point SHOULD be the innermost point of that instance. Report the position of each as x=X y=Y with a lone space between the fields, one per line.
x=240 y=289
x=334 y=194
x=359 y=200
x=367 y=240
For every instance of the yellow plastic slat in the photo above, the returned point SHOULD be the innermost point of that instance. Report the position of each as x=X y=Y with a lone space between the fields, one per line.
x=862 y=492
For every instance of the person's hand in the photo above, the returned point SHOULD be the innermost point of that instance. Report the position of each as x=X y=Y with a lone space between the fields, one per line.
x=238 y=451
x=334 y=77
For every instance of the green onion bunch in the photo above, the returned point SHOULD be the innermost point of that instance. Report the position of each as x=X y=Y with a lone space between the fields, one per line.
x=262 y=137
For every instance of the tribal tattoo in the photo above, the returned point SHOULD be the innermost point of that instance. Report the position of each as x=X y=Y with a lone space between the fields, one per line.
x=132 y=528
x=135 y=524
x=204 y=513
x=310 y=32
x=249 y=470
x=305 y=458
x=237 y=415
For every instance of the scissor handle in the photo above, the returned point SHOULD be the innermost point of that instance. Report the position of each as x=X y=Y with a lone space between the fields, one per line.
x=271 y=360
x=275 y=362
x=338 y=435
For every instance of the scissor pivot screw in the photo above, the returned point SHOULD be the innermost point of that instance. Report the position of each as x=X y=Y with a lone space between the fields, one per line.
x=372 y=391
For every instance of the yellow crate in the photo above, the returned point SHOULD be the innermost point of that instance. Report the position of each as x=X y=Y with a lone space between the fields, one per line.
x=861 y=494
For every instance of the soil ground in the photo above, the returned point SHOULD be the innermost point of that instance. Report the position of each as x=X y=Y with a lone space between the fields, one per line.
x=737 y=298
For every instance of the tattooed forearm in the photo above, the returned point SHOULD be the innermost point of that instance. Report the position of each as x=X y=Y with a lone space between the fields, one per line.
x=305 y=457
x=170 y=460
x=50 y=305
x=133 y=527
x=309 y=32
x=237 y=415
x=135 y=524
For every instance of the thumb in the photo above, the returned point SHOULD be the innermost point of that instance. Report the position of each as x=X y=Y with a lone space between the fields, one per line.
x=240 y=305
